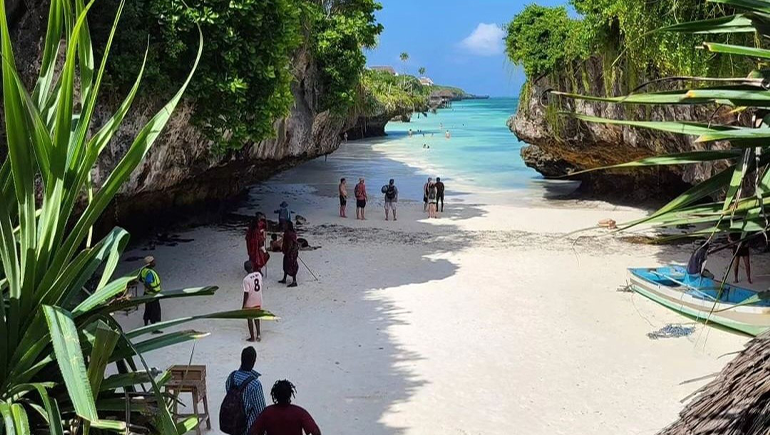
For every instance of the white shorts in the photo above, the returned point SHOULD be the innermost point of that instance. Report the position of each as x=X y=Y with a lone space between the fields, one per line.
x=390 y=205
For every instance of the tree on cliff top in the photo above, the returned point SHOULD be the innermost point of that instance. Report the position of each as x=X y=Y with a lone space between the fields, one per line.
x=541 y=39
x=244 y=82
x=337 y=42
x=57 y=332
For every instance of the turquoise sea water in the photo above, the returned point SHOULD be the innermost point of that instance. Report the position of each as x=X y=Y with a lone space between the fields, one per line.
x=482 y=155
x=482 y=151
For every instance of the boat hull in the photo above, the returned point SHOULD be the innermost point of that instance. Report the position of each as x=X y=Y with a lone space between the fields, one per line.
x=752 y=320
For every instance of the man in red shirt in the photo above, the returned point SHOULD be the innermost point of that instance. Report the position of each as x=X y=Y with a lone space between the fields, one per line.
x=283 y=418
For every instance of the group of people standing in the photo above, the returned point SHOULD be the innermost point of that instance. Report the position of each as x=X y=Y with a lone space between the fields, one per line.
x=256 y=266
x=433 y=193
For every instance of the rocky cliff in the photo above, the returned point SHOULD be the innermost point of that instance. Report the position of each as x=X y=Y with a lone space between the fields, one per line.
x=180 y=173
x=558 y=145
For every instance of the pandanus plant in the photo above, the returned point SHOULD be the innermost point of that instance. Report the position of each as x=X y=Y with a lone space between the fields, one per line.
x=743 y=209
x=57 y=339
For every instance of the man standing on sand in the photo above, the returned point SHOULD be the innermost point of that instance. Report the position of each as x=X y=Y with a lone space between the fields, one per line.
x=425 y=194
x=284 y=215
x=391 y=198
x=283 y=418
x=343 y=191
x=151 y=281
x=440 y=193
x=252 y=396
x=252 y=298
x=361 y=197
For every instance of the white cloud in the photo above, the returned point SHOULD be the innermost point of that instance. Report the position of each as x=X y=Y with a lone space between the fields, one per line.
x=485 y=40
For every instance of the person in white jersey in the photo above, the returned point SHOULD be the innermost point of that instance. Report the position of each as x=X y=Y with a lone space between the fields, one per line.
x=252 y=298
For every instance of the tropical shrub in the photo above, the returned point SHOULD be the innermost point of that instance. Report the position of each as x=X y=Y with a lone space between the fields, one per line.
x=542 y=38
x=243 y=82
x=382 y=92
x=623 y=33
x=746 y=182
x=57 y=339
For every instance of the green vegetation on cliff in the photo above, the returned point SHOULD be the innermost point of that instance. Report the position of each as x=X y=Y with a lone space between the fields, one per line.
x=243 y=83
x=383 y=93
x=545 y=40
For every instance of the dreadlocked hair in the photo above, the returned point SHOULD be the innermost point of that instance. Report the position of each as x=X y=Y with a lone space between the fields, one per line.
x=282 y=392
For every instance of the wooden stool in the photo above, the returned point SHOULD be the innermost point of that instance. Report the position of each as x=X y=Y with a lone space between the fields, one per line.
x=190 y=379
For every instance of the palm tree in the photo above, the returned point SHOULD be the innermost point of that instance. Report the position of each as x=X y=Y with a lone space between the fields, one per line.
x=404 y=56
x=421 y=71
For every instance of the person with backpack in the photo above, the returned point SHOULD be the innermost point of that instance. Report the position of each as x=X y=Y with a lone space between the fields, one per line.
x=360 y=192
x=283 y=418
x=391 y=198
x=244 y=401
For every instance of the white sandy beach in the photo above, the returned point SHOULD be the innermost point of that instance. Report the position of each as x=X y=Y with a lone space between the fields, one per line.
x=486 y=321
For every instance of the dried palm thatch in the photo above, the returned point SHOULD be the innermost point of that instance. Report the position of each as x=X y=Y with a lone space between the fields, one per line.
x=737 y=402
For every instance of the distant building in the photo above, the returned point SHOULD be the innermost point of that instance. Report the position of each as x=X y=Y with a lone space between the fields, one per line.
x=426 y=81
x=384 y=68
x=442 y=98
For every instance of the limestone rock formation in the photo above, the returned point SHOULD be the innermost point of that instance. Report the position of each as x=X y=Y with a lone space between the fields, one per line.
x=559 y=145
x=180 y=172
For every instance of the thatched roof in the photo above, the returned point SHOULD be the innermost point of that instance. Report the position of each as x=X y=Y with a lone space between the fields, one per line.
x=444 y=93
x=737 y=402
x=384 y=68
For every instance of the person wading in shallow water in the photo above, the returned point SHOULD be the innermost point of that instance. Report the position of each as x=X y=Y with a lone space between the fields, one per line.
x=151 y=281
x=290 y=255
x=283 y=418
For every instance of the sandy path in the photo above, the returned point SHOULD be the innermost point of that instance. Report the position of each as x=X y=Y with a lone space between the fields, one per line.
x=487 y=321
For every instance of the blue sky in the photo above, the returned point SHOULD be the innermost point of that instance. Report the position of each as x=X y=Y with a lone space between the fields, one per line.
x=457 y=41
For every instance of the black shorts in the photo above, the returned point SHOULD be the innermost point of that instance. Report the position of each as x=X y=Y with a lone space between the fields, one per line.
x=360 y=203
x=343 y=201
x=152 y=311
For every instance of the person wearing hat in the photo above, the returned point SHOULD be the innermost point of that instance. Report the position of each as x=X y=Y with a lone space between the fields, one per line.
x=151 y=281
x=284 y=215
